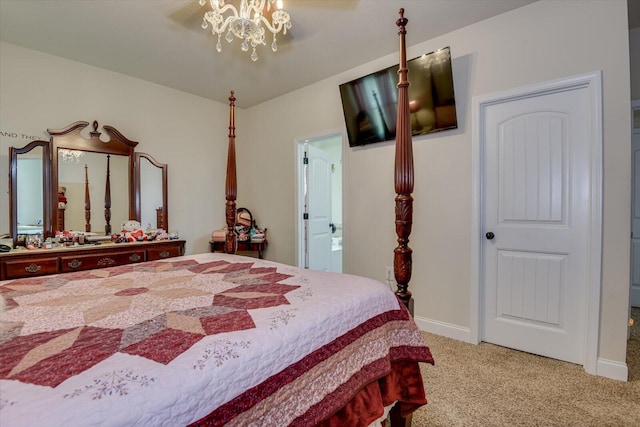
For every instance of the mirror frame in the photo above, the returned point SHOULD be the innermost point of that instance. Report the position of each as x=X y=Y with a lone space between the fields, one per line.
x=70 y=138
x=46 y=188
x=138 y=193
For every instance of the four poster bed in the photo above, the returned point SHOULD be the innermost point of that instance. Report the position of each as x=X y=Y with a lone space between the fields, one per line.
x=214 y=339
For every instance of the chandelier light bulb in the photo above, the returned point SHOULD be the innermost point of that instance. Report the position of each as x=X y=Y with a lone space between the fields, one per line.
x=246 y=22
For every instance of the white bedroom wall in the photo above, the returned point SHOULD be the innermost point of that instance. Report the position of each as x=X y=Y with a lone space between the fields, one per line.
x=189 y=133
x=543 y=41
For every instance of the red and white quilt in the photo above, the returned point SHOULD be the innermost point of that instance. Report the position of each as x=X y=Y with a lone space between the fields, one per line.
x=207 y=339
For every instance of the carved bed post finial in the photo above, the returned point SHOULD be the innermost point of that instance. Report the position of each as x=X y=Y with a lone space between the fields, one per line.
x=231 y=182
x=403 y=173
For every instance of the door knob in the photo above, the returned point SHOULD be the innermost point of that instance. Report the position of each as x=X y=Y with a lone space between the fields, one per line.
x=490 y=235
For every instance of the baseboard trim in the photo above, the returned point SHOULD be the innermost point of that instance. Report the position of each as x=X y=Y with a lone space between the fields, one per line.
x=612 y=369
x=444 y=329
x=605 y=367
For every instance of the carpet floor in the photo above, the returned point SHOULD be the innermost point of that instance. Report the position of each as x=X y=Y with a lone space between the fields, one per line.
x=488 y=385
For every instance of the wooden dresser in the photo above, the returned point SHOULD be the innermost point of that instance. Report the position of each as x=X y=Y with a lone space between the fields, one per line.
x=21 y=263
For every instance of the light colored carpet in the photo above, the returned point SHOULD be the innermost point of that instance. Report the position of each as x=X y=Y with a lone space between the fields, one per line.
x=487 y=385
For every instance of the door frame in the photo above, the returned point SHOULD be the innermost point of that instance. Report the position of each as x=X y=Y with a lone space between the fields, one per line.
x=300 y=225
x=635 y=104
x=593 y=82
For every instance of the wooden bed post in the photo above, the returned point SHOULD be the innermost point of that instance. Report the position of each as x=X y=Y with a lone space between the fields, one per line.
x=107 y=200
x=231 y=238
x=403 y=177
x=87 y=201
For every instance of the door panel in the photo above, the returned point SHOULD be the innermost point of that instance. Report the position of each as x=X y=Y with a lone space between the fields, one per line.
x=319 y=197
x=529 y=287
x=536 y=202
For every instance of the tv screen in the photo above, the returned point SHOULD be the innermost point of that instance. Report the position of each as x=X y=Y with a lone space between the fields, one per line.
x=370 y=103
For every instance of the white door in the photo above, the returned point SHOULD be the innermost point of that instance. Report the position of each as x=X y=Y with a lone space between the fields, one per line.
x=319 y=208
x=635 y=219
x=536 y=204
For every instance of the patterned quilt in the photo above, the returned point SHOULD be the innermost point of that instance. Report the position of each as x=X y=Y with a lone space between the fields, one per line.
x=207 y=339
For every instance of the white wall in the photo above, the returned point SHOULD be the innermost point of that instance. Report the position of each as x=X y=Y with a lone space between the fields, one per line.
x=543 y=41
x=189 y=133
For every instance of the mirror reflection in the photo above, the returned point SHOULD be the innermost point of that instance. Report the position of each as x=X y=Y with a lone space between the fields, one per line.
x=30 y=192
x=5 y=230
x=29 y=210
x=82 y=186
x=152 y=204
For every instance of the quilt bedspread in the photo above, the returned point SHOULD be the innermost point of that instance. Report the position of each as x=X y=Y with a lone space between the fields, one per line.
x=208 y=338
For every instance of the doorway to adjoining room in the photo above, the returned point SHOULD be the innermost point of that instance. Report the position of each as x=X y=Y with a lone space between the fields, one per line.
x=319 y=207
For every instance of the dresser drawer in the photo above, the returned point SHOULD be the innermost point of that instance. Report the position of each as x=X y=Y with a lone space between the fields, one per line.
x=86 y=262
x=16 y=269
x=168 y=251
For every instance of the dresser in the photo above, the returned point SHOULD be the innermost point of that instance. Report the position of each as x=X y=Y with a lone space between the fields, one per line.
x=20 y=263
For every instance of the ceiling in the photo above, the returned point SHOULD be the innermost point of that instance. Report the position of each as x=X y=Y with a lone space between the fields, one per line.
x=161 y=41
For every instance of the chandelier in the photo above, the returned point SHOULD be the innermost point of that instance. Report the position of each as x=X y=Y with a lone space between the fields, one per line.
x=246 y=23
x=70 y=156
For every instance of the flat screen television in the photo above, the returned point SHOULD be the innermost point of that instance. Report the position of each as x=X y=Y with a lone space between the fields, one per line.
x=370 y=103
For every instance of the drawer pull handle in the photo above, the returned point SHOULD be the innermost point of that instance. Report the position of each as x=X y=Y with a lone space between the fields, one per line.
x=33 y=268
x=75 y=263
x=135 y=257
x=106 y=261
x=164 y=254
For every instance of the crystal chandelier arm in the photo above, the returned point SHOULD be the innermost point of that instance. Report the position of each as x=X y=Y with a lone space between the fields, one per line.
x=224 y=8
x=223 y=27
x=276 y=27
x=219 y=27
x=254 y=6
x=273 y=29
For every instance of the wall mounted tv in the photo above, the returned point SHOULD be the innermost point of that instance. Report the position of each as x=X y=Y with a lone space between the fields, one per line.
x=370 y=103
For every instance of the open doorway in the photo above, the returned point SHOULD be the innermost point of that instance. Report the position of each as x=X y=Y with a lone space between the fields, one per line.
x=319 y=208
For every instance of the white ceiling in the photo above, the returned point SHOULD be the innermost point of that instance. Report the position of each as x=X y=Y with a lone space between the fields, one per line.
x=161 y=41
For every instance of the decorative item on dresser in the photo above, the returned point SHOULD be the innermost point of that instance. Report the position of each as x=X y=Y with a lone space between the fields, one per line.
x=213 y=339
x=250 y=238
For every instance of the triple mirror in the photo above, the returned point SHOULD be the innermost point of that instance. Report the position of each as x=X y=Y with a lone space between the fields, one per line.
x=85 y=183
